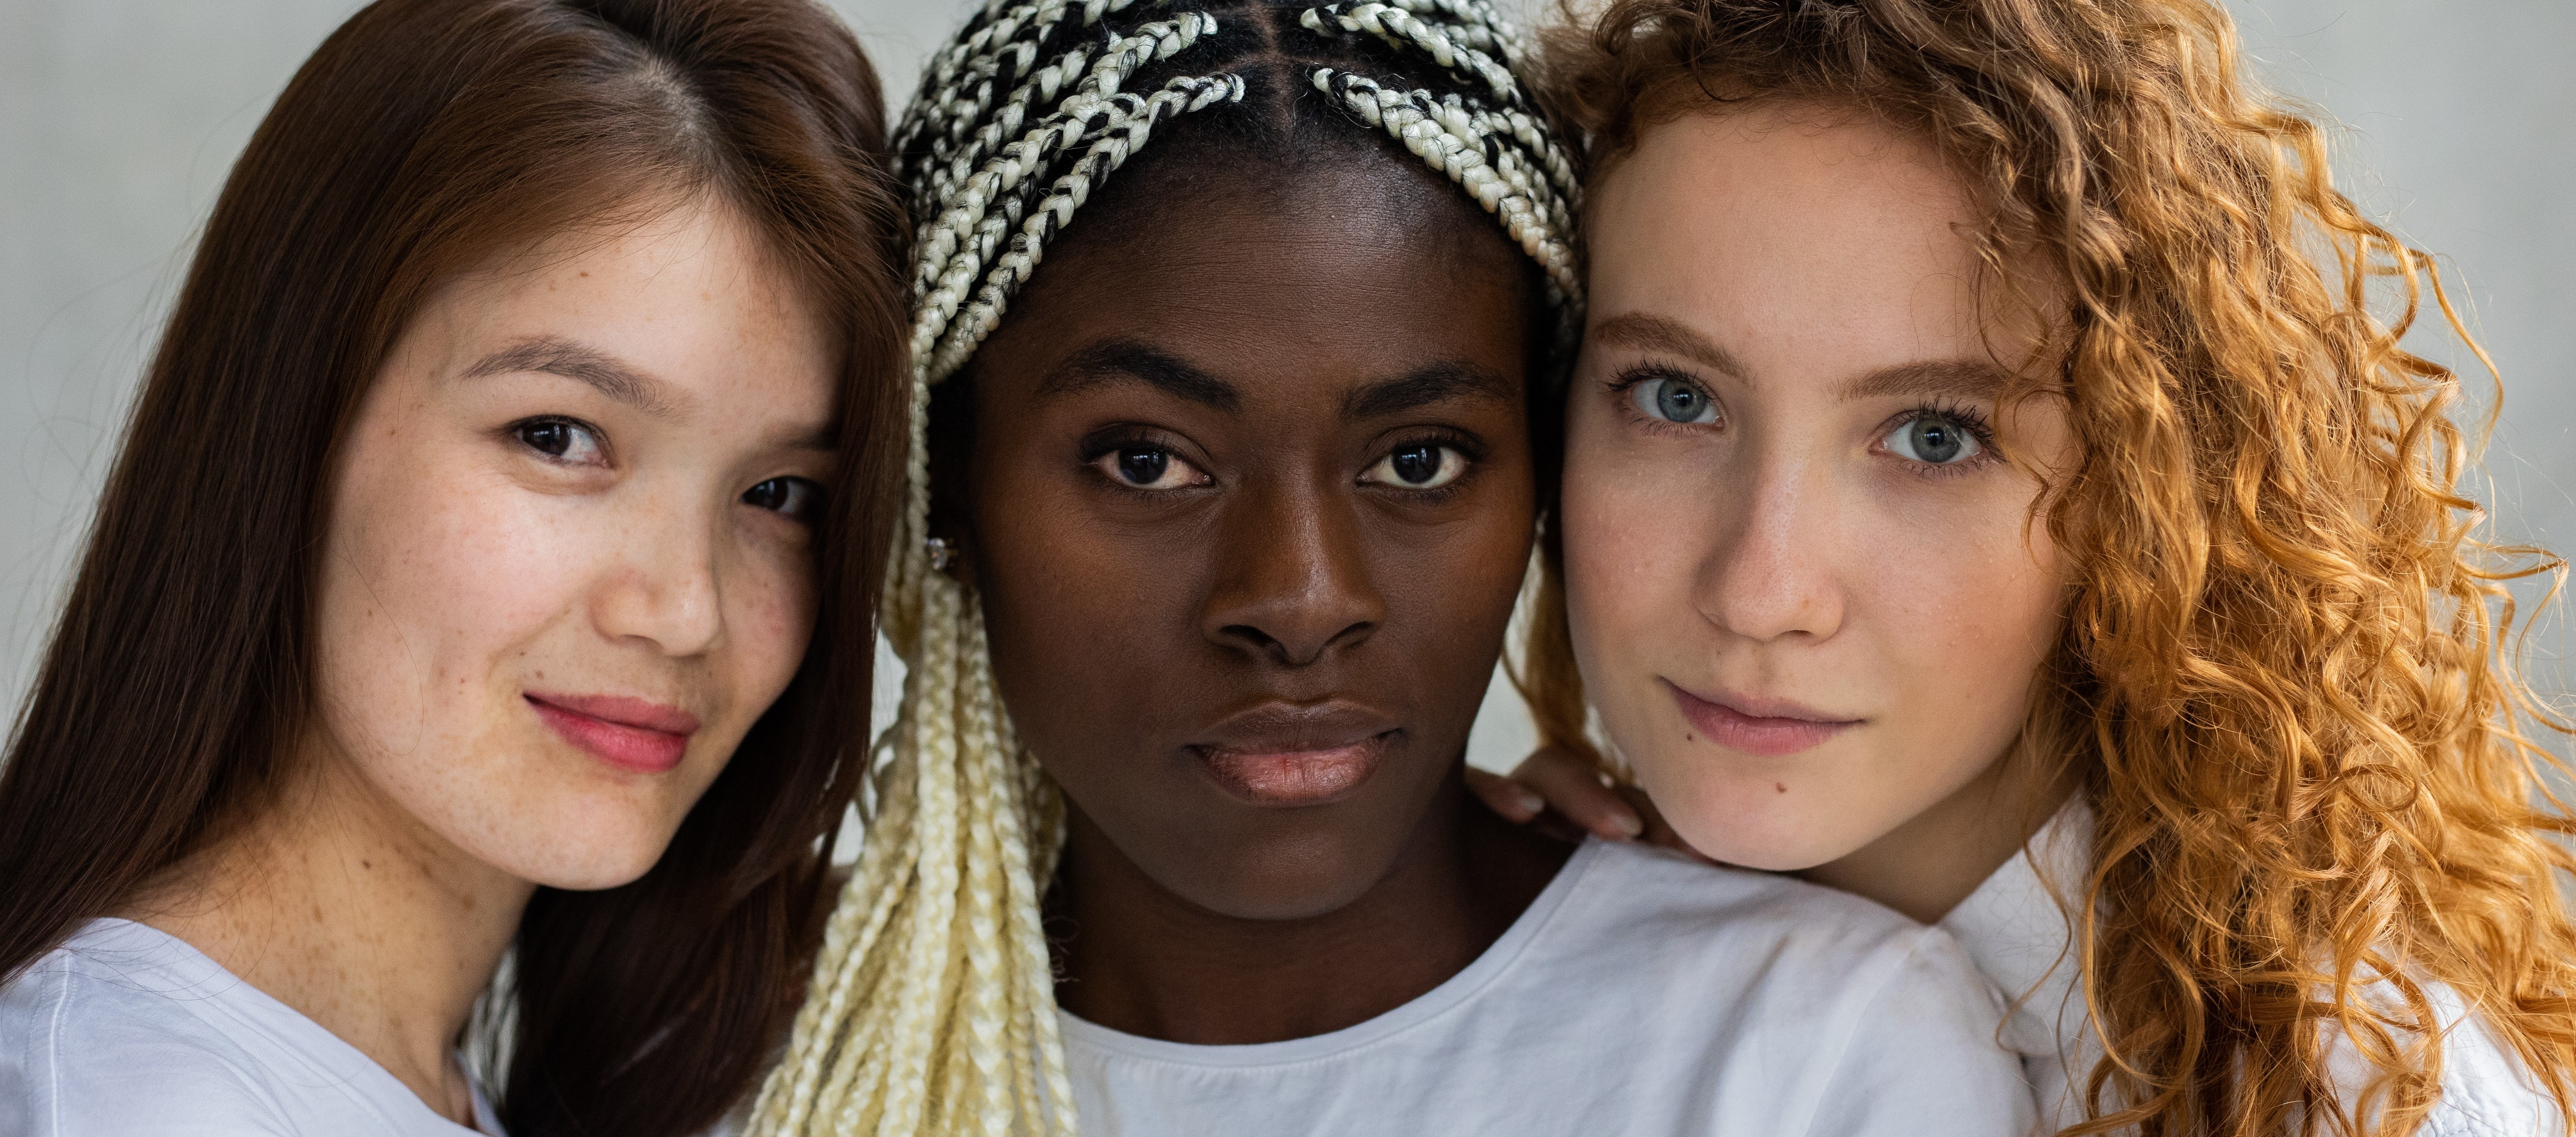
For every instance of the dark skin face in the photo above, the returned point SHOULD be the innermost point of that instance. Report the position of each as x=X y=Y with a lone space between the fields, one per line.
x=1250 y=497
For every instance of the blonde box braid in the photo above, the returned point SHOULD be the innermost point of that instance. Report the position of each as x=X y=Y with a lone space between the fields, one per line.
x=932 y=1009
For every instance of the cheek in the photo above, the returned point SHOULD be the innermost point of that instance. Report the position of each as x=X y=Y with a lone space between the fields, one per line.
x=769 y=618
x=1966 y=600
x=1634 y=534
x=414 y=544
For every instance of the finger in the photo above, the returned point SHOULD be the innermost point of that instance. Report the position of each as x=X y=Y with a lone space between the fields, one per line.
x=1572 y=787
x=1515 y=802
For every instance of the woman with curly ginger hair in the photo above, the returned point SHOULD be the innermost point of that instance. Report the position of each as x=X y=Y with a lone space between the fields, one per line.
x=1995 y=485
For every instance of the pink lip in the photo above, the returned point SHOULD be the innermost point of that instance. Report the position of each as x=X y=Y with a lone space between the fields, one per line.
x=1283 y=755
x=1769 y=728
x=630 y=734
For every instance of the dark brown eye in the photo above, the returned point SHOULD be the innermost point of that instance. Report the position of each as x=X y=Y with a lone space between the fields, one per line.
x=795 y=498
x=1143 y=467
x=561 y=439
x=1420 y=466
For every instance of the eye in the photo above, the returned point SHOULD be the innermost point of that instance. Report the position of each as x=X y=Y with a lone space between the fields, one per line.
x=1148 y=468
x=1674 y=400
x=793 y=498
x=562 y=439
x=1934 y=439
x=1420 y=466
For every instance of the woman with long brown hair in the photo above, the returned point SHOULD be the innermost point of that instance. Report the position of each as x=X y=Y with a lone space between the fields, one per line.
x=1995 y=485
x=487 y=571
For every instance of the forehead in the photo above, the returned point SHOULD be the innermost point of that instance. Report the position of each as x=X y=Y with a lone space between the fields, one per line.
x=1814 y=232
x=1348 y=272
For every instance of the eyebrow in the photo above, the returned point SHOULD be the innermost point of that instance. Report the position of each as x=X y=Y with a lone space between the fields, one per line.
x=555 y=355
x=1647 y=332
x=1424 y=386
x=1123 y=361
x=1958 y=378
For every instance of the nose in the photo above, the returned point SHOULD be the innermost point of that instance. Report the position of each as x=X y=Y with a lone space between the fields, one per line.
x=1293 y=580
x=665 y=586
x=1771 y=574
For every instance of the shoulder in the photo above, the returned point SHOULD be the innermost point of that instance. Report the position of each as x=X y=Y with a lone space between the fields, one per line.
x=1807 y=958
x=2486 y=1089
x=1658 y=897
x=91 y=1043
x=1850 y=1017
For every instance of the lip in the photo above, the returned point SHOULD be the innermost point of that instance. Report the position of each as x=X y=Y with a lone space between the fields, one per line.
x=631 y=734
x=1771 y=728
x=1287 y=755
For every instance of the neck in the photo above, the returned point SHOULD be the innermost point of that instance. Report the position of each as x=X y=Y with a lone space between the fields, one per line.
x=341 y=905
x=1146 y=962
x=1926 y=866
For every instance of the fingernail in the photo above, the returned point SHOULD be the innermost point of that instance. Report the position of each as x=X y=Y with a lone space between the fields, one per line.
x=1630 y=824
x=1530 y=802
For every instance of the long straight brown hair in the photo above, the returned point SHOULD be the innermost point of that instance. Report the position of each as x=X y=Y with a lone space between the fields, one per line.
x=424 y=138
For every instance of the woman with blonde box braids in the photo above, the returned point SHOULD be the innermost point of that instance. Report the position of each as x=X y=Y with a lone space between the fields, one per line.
x=1236 y=327
x=1997 y=484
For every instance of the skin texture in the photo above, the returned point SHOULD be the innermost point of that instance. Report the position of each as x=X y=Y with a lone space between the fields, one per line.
x=1798 y=283
x=464 y=568
x=1279 y=563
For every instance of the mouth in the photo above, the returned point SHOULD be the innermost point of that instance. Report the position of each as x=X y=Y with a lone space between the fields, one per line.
x=1286 y=756
x=1765 y=727
x=635 y=735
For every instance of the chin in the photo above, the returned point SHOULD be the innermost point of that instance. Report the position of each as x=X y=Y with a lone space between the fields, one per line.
x=1296 y=879
x=1742 y=819
x=588 y=850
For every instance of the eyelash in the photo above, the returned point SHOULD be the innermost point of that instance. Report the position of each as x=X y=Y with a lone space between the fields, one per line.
x=1467 y=447
x=517 y=433
x=1969 y=418
x=1634 y=375
x=1138 y=438
x=1116 y=439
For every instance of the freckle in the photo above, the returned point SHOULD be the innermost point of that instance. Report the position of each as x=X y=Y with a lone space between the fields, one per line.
x=317 y=913
x=366 y=864
x=1783 y=787
x=1689 y=737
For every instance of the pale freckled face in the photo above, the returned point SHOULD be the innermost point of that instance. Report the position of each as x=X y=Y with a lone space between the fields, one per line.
x=507 y=530
x=1785 y=494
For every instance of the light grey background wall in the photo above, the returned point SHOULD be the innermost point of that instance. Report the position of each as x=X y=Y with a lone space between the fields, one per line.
x=119 y=119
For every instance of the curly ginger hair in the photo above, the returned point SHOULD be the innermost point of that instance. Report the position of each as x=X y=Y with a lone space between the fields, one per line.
x=2288 y=671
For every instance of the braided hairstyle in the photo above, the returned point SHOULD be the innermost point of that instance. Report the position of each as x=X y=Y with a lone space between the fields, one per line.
x=932 y=1008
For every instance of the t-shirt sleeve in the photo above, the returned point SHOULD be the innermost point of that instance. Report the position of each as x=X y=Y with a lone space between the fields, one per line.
x=1924 y=1059
x=70 y=1067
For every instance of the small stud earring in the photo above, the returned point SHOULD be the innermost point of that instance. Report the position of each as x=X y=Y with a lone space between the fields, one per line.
x=938 y=554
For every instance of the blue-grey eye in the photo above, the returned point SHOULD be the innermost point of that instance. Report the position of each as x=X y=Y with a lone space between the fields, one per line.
x=1934 y=440
x=791 y=497
x=1420 y=466
x=1675 y=400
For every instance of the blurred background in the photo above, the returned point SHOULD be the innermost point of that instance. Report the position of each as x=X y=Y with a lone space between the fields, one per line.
x=120 y=118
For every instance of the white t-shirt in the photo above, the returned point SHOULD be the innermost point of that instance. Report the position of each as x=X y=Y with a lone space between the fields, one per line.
x=126 y=1030
x=2015 y=929
x=1641 y=994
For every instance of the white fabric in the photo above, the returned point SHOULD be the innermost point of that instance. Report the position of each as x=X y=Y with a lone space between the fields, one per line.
x=2015 y=929
x=1641 y=995
x=127 y=1030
